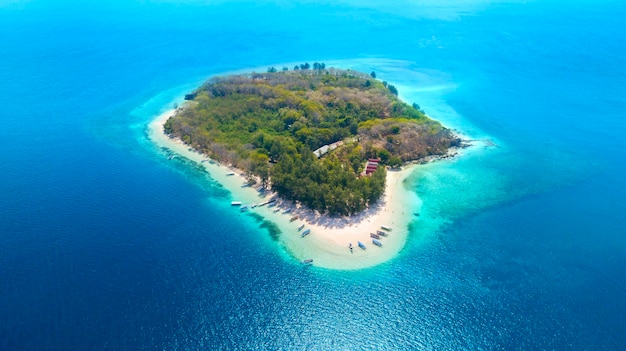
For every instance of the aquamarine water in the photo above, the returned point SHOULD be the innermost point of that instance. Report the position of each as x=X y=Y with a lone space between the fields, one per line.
x=107 y=245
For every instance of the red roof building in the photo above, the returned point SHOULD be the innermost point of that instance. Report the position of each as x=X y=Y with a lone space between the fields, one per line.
x=371 y=166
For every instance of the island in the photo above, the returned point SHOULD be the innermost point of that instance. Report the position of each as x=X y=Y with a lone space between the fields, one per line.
x=319 y=153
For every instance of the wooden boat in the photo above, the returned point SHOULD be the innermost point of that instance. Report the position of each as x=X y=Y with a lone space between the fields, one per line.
x=308 y=261
x=381 y=233
x=377 y=242
x=243 y=208
x=293 y=218
x=305 y=232
x=230 y=174
x=361 y=245
x=375 y=236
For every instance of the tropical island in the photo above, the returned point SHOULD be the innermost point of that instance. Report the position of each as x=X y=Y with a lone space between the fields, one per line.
x=310 y=134
x=320 y=156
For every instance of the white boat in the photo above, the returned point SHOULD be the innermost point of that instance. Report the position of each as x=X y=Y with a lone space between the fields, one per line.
x=230 y=174
x=235 y=203
x=243 y=208
x=385 y=227
x=308 y=261
x=300 y=227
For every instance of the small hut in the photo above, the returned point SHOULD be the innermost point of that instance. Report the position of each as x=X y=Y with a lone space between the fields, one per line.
x=371 y=166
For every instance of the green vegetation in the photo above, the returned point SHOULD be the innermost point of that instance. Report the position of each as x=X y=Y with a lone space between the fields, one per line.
x=268 y=124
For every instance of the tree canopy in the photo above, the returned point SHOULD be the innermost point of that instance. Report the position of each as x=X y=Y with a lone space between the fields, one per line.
x=268 y=124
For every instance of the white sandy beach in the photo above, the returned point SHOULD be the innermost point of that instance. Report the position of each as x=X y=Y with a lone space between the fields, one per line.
x=327 y=244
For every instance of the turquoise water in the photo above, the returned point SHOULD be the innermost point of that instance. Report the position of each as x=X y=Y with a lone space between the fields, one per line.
x=106 y=244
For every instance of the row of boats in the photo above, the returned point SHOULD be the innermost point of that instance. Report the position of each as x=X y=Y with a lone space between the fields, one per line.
x=375 y=238
x=305 y=232
x=244 y=208
x=271 y=203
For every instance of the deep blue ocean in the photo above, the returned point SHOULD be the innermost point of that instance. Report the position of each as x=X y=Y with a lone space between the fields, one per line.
x=105 y=244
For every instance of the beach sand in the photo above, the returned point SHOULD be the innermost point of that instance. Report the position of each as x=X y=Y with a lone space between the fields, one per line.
x=329 y=238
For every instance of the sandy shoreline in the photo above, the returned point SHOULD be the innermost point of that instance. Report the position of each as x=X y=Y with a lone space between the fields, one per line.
x=327 y=244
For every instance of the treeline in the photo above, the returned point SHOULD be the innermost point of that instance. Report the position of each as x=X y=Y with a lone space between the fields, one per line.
x=303 y=66
x=327 y=185
x=268 y=123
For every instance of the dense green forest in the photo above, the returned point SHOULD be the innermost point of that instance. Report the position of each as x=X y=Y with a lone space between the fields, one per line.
x=269 y=124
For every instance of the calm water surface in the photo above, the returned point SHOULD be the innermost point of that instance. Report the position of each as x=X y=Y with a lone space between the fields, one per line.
x=107 y=245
